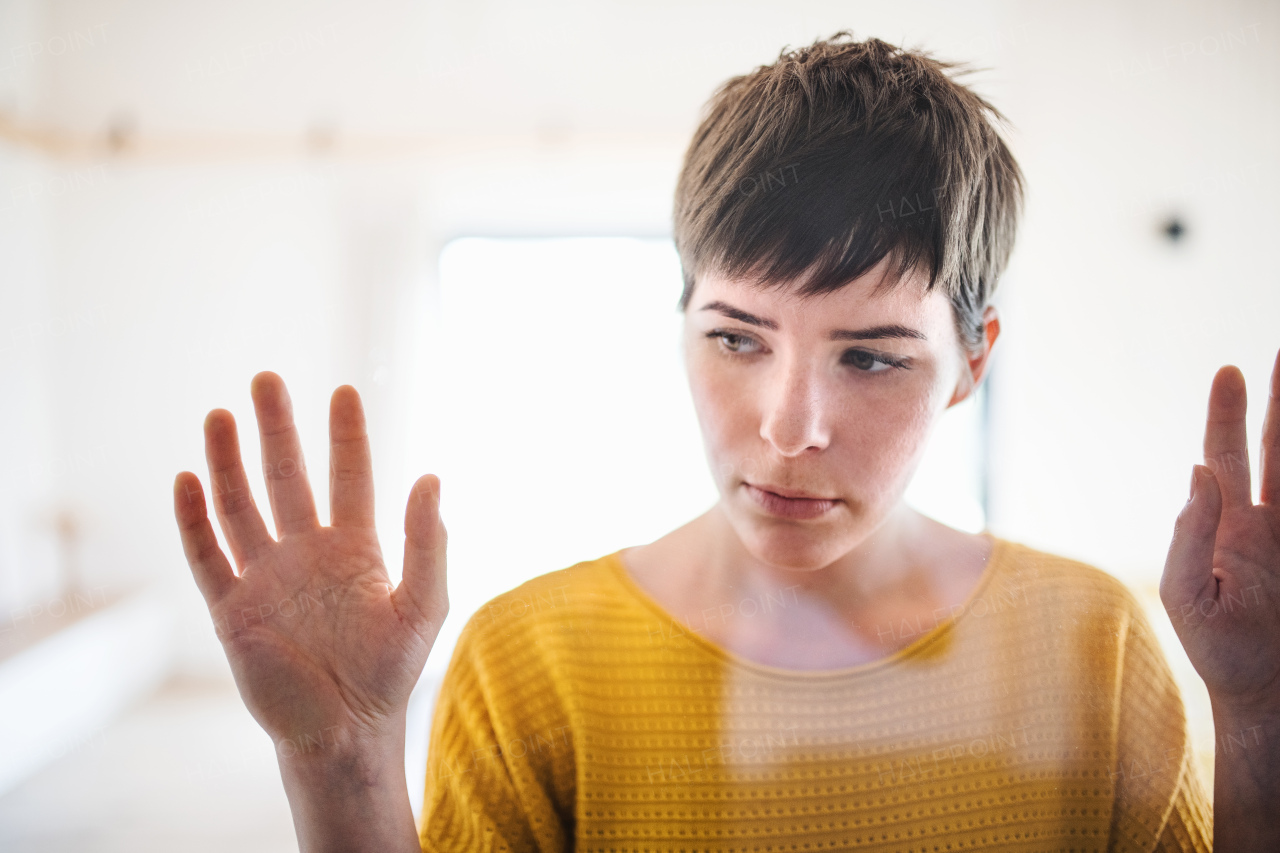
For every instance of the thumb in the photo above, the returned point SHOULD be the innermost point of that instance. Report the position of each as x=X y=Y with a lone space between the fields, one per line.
x=422 y=595
x=1188 y=570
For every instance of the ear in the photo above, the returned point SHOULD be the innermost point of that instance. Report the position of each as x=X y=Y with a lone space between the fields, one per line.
x=975 y=362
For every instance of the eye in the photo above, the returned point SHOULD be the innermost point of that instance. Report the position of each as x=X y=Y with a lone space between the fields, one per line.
x=732 y=342
x=864 y=361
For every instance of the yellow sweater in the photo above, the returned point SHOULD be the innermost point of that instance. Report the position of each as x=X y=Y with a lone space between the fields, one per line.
x=577 y=714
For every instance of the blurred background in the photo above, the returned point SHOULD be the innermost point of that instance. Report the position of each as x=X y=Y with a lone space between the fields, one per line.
x=463 y=209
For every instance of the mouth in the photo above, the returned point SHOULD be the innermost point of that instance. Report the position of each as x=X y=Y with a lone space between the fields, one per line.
x=790 y=493
x=789 y=503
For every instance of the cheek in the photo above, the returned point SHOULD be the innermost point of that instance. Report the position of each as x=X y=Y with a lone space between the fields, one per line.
x=881 y=437
x=722 y=400
x=886 y=437
x=729 y=418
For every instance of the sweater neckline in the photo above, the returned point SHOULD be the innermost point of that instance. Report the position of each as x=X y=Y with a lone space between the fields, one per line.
x=921 y=645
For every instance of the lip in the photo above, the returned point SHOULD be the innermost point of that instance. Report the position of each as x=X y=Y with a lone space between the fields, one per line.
x=783 y=506
x=791 y=493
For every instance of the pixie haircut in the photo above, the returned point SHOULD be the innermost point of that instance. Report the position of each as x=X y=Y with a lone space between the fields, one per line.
x=812 y=170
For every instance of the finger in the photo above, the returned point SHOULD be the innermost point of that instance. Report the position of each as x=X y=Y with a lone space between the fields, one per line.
x=1188 y=570
x=1269 y=463
x=292 y=505
x=422 y=592
x=213 y=574
x=232 y=501
x=350 y=462
x=1226 y=449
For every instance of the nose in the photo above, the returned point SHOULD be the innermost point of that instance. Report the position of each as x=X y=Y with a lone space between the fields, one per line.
x=795 y=414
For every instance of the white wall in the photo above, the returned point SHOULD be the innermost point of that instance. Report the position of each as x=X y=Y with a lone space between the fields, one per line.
x=203 y=278
x=1127 y=112
x=30 y=569
x=30 y=564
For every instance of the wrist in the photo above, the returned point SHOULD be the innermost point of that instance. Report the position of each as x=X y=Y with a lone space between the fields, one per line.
x=1246 y=776
x=344 y=772
x=354 y=757
x=1249 y=732
x=349 y=792
x=1235 y=716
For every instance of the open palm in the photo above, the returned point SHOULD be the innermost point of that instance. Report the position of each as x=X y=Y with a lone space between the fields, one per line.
x=323 y=649
x=1221 y=583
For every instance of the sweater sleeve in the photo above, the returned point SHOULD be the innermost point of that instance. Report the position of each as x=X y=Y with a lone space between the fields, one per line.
x=1190 y=823
x=1160 y=802
x=500 y=750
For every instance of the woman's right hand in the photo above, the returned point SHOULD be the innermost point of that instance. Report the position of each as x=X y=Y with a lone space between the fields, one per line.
x=324 y=651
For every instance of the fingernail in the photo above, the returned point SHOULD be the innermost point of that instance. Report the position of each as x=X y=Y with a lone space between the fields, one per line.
x=1194 y=472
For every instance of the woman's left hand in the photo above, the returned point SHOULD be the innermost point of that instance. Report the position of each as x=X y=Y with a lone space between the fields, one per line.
x=1221 y=583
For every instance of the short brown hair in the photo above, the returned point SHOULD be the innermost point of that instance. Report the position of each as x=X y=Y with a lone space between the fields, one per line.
x=839 y=154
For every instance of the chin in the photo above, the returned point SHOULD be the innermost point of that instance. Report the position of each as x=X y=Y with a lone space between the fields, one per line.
x=791 y=547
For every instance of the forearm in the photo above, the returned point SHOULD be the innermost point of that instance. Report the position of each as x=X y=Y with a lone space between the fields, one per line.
x=1246 y=781
x=350 y=796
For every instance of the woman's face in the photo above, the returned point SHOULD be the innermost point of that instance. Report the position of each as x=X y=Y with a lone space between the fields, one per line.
x=829 y=396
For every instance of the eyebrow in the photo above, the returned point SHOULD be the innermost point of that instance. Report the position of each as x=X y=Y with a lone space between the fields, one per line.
x=888 y=330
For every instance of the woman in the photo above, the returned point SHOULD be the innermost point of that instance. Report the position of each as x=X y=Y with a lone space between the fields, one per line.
x=811 y=664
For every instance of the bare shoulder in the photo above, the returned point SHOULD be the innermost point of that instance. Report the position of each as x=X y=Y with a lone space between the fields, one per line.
x=954 y=561
x=664 y=567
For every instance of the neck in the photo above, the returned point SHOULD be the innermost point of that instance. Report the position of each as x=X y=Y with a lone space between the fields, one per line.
x=893 y=556
x=845 y=613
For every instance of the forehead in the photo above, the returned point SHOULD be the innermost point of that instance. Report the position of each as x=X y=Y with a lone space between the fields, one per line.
x=907 y=302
